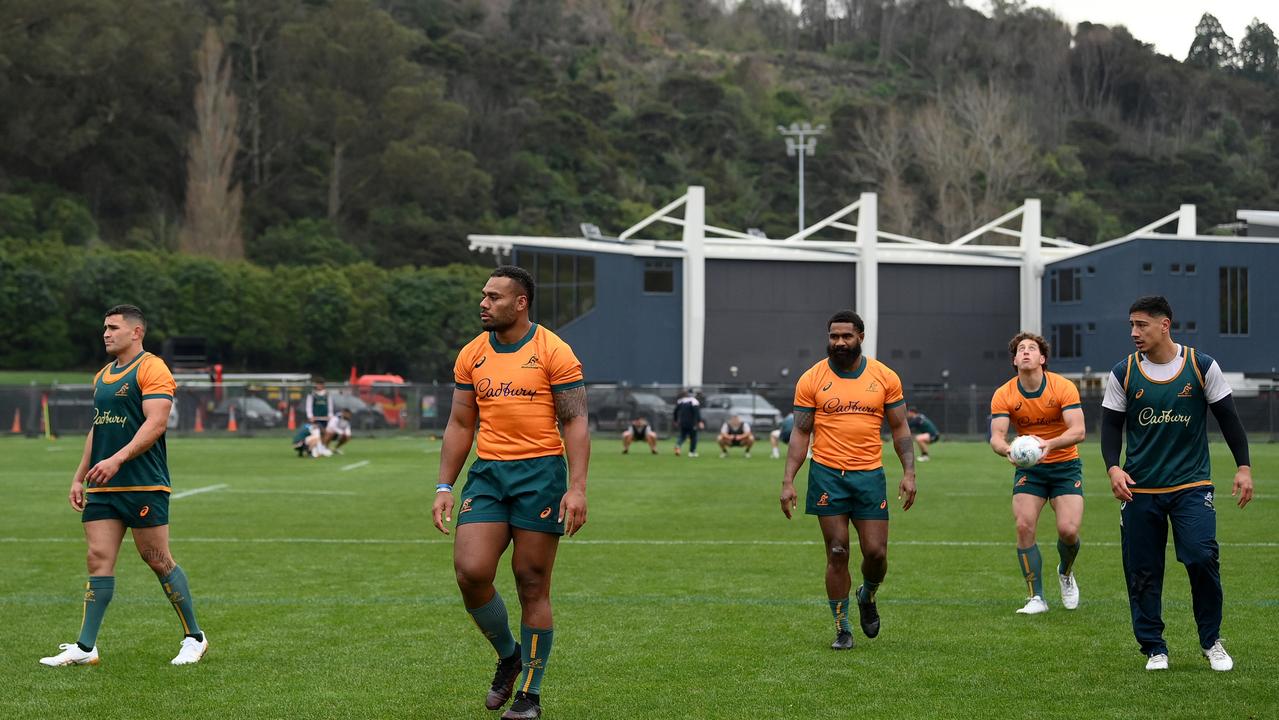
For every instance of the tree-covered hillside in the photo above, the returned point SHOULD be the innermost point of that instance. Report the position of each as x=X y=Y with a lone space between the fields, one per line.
x=335 y=131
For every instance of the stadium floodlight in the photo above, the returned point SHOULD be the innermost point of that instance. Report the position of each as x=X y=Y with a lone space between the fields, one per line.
x=591 y=231
x=801 y=140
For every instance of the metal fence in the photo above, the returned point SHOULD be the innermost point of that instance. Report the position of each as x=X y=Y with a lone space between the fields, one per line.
x=250 y=409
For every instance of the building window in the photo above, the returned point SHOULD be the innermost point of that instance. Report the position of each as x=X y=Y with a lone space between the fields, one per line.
x=565 y=286
x=1147 y=268
x=659 y=277
x=1191 y=326
x=1091 y=271
x=1234 y=300
x=1066 y=285
x=1175 y=268
x=1066 y=341
x=1191 y=269
x=1092 y=327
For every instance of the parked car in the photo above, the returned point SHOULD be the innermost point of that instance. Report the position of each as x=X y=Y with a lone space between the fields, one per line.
x=363 y=415
x=612 y=408
x=750 y=407
x=249 y=412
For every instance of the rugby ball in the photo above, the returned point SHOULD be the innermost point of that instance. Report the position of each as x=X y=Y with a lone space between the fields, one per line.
x=1024 y=451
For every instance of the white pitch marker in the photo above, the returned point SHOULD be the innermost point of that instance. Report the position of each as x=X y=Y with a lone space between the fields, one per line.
x=355 y=465
x=197 y=491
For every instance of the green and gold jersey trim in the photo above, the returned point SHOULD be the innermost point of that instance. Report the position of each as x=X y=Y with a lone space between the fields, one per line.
x=568 y=386
x=1174 y=488
x=129 y=488
x=852 y=375
x=513 y=347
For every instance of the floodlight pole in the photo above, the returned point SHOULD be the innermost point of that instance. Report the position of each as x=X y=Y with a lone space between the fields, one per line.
x=801 y=140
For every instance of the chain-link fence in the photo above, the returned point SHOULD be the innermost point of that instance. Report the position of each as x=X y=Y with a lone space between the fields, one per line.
x=253 y=408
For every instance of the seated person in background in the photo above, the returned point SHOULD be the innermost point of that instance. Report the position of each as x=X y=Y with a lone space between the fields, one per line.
x=307 y=440
x=735 y=433
x=781 y=434
x=339 y=429
x=639 y=430
x=923 y=429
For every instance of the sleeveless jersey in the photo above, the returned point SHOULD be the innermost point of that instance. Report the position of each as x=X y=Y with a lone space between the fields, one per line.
x=513 y=386
x=1167 y=425
x=848 y=411
x=1040 y=412
x=117 y=416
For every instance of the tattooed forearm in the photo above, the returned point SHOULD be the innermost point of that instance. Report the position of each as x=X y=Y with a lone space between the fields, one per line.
x=804 y=420
x=570 y=404
x=906 y=451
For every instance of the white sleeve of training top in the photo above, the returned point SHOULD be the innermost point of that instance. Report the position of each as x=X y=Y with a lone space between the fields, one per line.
x=723 y=429
x=1215 y=385
x=1115 y=398
x=746 y=428
x=310 y=413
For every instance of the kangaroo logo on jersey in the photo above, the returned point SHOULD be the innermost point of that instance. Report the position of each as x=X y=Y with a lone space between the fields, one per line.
x=1208 y=500
x=1185 y=392
x=481 y=362
x=532 y=362
x=124 y=390
x=824 y=500
x=1052 y=403
x=466 y=506
x=1021 y=481
x=832 y=382
x=873 y=387
x=1140 y=392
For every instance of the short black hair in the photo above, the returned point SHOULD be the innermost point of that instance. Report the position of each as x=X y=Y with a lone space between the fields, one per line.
x=132 y=313
x=1153 y=305
x=847 y=316
x=519 y=275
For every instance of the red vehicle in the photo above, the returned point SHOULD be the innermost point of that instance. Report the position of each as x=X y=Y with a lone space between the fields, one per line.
x=384 y=392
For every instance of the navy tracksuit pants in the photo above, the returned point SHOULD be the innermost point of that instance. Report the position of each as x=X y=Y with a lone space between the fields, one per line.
x=1144 y=530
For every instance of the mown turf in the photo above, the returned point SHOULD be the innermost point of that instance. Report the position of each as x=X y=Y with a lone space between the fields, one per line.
x=327 y=594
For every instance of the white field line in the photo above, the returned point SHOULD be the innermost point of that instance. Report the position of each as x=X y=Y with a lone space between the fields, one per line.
x=197 y=491
x=440 y=541
x=295 y=492
x=355 y=465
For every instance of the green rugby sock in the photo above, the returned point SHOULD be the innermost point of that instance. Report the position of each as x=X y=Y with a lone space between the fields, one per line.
x=491 y=619
x=179 y=593
x=535 y=647
x=839 y=608
x=1068 y=554
x=1032 y=565
x=97 y=595
x=866 y=593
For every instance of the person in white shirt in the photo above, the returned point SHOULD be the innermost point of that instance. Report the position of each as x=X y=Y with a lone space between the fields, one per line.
x=735 y=433
x=338 y=431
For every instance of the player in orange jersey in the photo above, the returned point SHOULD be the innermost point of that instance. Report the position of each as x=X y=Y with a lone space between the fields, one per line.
x=1046 y=406
x=523 y=385
x=842 y=402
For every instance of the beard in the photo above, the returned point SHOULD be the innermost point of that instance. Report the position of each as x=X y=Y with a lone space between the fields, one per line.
x=496 y=323
x=844 y=357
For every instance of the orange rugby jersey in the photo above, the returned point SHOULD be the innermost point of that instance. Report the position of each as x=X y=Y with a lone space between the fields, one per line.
x=513 y=386
x=1039 y=412
x=848 y=411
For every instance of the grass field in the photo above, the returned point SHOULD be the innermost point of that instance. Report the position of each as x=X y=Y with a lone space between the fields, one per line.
x=44 y=377
x=326 y=593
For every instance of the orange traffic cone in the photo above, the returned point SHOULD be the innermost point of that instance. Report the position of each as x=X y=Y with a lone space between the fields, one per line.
x=17 y=422
x=230 y=425
x=293 y=421
x=199 y=419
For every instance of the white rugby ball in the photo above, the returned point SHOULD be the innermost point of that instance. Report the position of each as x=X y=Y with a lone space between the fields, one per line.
x=1025 y=451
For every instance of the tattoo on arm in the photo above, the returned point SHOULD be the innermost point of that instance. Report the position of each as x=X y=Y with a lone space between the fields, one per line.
x=570 y=404
x=905 y=450
x=804 y=420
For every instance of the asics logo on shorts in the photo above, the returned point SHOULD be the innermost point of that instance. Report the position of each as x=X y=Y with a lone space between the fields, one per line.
x=1079 y=483
x=883 y=504
x=143 y=512
x=545 y=513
